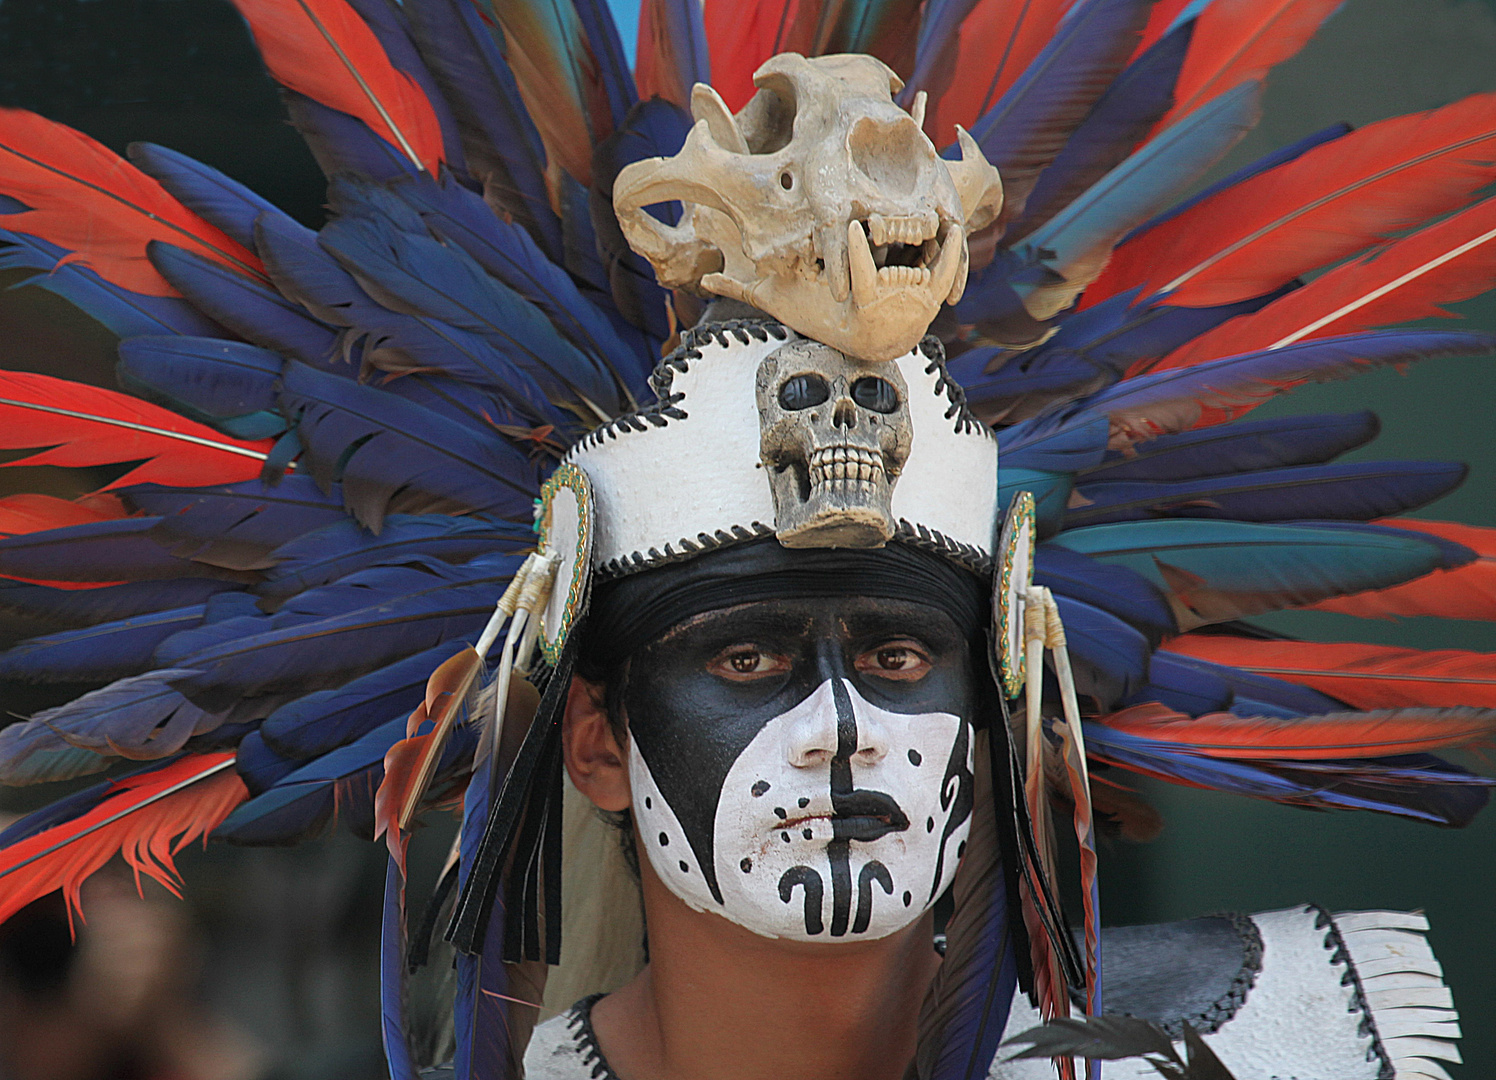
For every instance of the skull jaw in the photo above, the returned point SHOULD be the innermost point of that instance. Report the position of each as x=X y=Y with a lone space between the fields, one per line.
x=827 y=522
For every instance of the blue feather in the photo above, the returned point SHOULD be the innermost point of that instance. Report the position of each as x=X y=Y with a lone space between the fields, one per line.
x=1114 y=589
x=1220 y=570
x=235 y=526
x=118 y=309
x=1281 y=156
x=614 y=72
x=250 y=310
x=141 y=717
x=87 y=607
x=507 y=251
x=394 y=939
x=1245 y=446
x=1030 y=123
x=221 y=383
x=344 y=144
x=222 y=202
x=319 y=723
x=1114 y=650
x=1051 y=491
x=117 y=550
x=501 y=142
x=1068 y=444
x=1249 y=690
x=99 y=653
x=1089 y=227
x=1183 y=687
x=1354 y=492
x=326 y=636
x=1120 y=120
x=333 y=551
x=420 y=276
x=392 y=455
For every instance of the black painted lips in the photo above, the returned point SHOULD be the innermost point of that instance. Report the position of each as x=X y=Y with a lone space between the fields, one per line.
x=866 y=815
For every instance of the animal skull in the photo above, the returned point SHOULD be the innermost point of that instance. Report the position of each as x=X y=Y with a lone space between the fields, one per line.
x=822 y=203
x=834 y=434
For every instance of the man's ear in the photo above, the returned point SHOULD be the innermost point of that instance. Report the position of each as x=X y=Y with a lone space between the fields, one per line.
x=595 y=762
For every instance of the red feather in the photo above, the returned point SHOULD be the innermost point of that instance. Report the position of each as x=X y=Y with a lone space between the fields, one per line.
x=1334 y=201
x=1238 y=40
x=1381 y=733
x=1466 y=592
x=147 y=819
x=86 y=198
x=20 y=514
x=995 y=43
x=322 y=49
x=88 y=425
x=547 y=52
x=1362 y=676
x=1159 y=20
x=1408 y=279
x=740 y=37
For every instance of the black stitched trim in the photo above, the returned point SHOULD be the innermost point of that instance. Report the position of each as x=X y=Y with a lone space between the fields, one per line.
x=934 y=352
x=1339 y=954
x=579 y=1020
x=1218 y=1013
x=666 y=406
x=937 y=543
x=623 y=565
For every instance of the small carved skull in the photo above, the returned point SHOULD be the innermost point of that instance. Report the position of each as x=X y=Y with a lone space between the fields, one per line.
x=834 y=433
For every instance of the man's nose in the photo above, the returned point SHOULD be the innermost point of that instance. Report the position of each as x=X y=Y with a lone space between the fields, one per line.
x=835 y=726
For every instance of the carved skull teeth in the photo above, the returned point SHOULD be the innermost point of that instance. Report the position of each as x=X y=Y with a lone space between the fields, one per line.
x=845 y=464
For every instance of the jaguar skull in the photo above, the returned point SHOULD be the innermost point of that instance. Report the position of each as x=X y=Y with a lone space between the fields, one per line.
x=821 y=202
x=834 y=434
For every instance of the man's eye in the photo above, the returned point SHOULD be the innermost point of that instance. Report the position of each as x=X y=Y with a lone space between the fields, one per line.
x=895 y=662
x=896 y=659
x=747 y=663
x=744 y=662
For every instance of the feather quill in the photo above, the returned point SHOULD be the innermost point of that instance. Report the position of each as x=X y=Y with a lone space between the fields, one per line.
x=1406 y=279
x=148 y=817
x=325 y=51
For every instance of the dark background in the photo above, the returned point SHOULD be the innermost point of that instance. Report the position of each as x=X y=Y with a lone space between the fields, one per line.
x=291 y=934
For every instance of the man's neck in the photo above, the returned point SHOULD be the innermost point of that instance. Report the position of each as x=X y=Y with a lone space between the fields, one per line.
x=718 y=1002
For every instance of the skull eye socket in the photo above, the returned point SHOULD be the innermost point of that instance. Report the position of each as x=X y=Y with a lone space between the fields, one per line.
x=875 y=394
x=803 y=391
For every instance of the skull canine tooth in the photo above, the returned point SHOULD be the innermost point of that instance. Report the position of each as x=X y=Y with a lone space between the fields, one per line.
x=864 y=271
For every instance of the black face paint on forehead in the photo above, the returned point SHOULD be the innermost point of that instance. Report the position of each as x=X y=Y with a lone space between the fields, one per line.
x=691 y=722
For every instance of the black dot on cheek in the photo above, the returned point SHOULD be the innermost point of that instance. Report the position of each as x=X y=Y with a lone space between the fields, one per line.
x=684 y=869
x=961 y=850
x=807 y=834
x=907 y=898
x=759 y=788
x=780 y=813
x=785 y=837
x=929 y=824
x=914 y=758
x=746 y=866
x=804 y=803
x=664 y=840
x=648 y=803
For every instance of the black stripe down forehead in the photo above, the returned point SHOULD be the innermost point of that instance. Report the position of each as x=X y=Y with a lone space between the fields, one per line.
x=630 y=612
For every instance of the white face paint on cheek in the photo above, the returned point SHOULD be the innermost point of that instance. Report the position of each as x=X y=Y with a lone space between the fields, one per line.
x=800 y=855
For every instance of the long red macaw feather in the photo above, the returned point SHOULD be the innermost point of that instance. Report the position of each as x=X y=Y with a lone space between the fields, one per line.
x=88 y=425
x=1238 y=40
x=1334 y=201
x=995 y=43
x=325 y=51
x=1380 y=733
x=146 y=818
x=742 y=35
x=1466 y=592
x=1362 y=676
x=1408 y=279
x=86 y=198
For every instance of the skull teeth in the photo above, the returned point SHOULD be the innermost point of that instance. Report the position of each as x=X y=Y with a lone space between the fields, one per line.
x=836 y=465
x=911 y=229
x=869 y=249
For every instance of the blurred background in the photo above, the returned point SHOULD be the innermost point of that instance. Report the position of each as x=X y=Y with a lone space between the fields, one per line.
x=268 y=970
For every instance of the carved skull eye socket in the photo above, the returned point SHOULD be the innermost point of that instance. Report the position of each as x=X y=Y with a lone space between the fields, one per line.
x=875 y=394
x=802 y=392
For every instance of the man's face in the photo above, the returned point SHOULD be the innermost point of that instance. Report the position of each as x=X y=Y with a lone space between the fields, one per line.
x=803 y=768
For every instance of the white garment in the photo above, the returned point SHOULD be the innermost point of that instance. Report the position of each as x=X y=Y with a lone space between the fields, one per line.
x=1355 y=997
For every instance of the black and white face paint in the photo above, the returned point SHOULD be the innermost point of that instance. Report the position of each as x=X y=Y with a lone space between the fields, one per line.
x=803 y=768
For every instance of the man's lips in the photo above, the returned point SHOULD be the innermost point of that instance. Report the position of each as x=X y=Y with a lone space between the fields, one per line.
x=861 y=815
